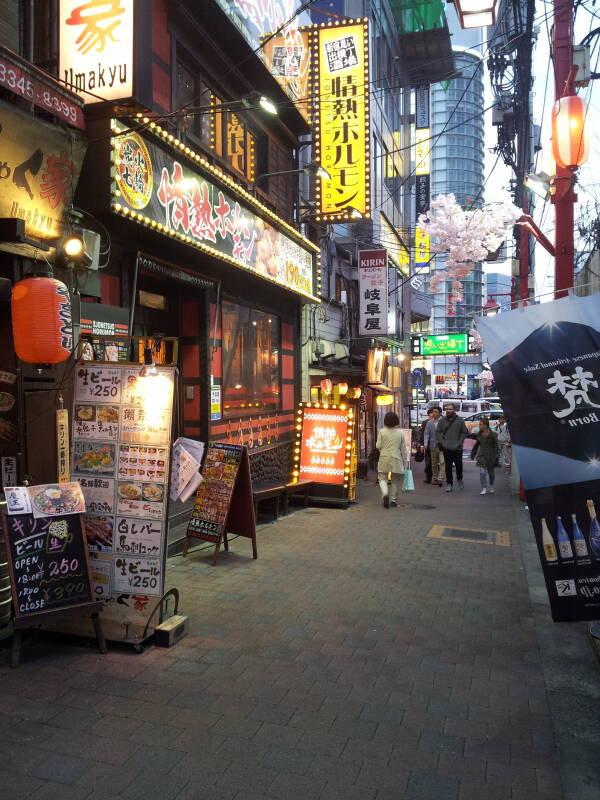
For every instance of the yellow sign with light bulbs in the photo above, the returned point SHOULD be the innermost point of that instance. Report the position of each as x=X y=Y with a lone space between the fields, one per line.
x=340 y=84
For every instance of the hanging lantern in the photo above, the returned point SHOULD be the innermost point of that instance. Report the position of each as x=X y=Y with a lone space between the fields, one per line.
x=570 y=141
x=342 y=388
x=384 y=399
x=326 y=385
x=41 y=317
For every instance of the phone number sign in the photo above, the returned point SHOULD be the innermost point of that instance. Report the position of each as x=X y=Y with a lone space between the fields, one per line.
x=20 y=80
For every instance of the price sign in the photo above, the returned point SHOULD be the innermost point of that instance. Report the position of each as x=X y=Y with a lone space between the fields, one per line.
x=48 y=562
x=98 y=384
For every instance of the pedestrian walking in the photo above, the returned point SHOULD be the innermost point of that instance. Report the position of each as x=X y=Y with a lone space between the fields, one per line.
x=430 y=439
x=392 y=458
x=486 y=452
x=503 y=435
x=428 y=468
x=451 y=433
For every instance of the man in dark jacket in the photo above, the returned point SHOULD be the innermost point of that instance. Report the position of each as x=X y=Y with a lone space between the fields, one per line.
x=451 y=433
x=428 y=469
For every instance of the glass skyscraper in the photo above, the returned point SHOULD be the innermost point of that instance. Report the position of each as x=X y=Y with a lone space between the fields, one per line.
x=458 y=168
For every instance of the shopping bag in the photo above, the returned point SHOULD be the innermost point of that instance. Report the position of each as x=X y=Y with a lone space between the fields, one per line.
x=419 y=455
x=408 y=484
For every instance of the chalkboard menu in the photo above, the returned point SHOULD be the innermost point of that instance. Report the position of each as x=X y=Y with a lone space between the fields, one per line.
x=224 y=498
x=48 y=562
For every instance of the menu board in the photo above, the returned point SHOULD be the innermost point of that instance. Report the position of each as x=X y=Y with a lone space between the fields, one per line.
x=48 y=561
x=121 y=445
x=213 y=498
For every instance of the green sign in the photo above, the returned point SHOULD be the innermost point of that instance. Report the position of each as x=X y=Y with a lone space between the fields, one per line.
x=441 y=345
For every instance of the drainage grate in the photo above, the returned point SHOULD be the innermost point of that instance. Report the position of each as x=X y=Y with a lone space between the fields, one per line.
x=500 y=538
x=473 y=536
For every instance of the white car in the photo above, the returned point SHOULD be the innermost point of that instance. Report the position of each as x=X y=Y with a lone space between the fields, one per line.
x=472 y=421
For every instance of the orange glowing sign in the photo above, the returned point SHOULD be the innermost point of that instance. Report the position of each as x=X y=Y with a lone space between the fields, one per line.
x=325 y=444
x=96 y=48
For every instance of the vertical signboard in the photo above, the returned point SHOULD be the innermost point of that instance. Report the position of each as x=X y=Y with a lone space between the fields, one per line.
x=422 y=173
x=121 y=447
x=546 y=365
x=340 y=85
x=96 y=48
x=373 y=291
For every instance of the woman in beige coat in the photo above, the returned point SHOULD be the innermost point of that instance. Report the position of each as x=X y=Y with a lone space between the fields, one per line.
x=392 y=458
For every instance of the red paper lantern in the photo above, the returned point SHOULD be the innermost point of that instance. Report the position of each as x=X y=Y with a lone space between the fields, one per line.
x=570 y=142
x=41 y=316
x=342 y=388
x=326 y=385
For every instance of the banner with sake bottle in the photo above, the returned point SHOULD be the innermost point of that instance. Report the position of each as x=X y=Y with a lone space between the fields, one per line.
x=546 y=364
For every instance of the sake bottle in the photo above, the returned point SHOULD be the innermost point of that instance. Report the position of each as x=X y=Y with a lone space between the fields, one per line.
x=579 y=542
x=594 y=530
x=548 y=544
x=562 y=538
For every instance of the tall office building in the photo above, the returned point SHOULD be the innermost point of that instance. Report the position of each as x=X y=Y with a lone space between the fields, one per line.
x=458 y=168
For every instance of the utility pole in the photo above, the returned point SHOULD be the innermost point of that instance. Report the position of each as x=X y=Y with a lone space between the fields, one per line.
x=565 y=197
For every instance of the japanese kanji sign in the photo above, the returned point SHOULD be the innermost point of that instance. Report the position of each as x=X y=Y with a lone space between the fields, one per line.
x=96 y=48
x=373 y=292
x=422 y=168
x=324 y=450
x=341 y=132
x=122 y=430
x=546 y=365
x=183 y=202
x=39 y=169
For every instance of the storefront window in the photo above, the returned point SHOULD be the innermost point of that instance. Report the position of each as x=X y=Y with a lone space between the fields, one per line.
x=251 y=347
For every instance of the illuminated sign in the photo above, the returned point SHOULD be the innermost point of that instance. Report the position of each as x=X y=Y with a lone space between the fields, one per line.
x=324 y=444
x=422 y=151
x=373 y=292
x=340 y=82
x=422 y=247
x=96 y=48
x=203 y=207
x=39 y=169
x=422 y=251
x=440 y=345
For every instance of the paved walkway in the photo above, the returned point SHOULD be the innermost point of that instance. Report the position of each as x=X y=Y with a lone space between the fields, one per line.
x=357 y=659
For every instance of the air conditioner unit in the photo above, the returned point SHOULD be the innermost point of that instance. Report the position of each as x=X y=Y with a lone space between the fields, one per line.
x=341 y=351
x=327 y=348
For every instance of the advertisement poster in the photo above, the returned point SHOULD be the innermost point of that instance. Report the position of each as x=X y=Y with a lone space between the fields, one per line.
x=324 y=445
x=546 y=365
x=121 y=461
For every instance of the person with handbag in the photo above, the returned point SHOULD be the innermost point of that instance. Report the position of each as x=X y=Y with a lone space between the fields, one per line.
x=451 y=434
x=430 y=441
x=486 y=452
x=392 y=458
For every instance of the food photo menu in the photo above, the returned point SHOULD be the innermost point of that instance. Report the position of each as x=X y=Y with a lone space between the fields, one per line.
x=121 y=445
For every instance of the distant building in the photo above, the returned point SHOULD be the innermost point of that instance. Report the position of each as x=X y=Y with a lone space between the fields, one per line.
x=458 y=168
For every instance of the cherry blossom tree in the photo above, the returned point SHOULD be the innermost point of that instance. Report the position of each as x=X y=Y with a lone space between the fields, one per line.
x=466 y=235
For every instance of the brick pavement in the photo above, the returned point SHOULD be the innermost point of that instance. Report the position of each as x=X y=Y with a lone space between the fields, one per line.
x=357 y=659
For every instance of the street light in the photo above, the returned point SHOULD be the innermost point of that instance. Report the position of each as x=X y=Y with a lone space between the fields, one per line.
x=314 y=168
x=251 y=100
x=491 y=308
